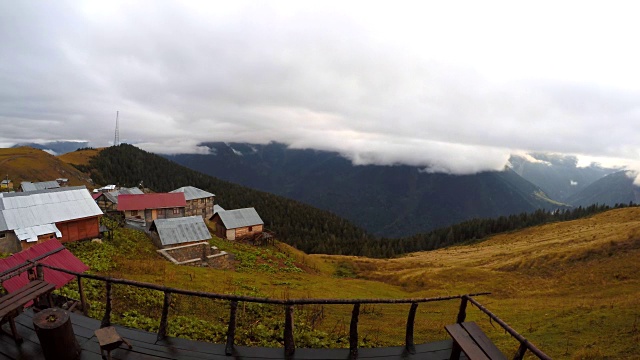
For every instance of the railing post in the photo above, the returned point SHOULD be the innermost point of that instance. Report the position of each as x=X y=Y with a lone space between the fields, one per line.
x=39 y=272
x=353 y=332
x=521 y=350
x=409 y=333
x=83 y=299
x=162 y=330
x=289 y=343
x=462 y=314
x=106 y=320
x=231 y=330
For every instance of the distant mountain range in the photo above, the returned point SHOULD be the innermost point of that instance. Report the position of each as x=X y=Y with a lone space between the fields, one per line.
x=557 y=175
x=389 y=201
x=57 y=147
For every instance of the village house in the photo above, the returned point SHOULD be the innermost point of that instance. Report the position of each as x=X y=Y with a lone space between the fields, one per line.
x=62 y=181
x=199 y=202
x=6 y=184
x=142 y=209
x=167 y=233
x=27 y=218
x=235 y=224
x=108 y=201
x=26 y=186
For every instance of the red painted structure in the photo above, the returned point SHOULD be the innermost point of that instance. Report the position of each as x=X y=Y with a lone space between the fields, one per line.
x=62 y=259
x=150 y=201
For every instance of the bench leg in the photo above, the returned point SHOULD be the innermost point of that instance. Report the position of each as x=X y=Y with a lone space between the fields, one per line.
x=16 y=337
x=455 y=351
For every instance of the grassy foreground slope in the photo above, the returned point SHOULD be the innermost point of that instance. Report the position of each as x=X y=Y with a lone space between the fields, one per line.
x=571 y=288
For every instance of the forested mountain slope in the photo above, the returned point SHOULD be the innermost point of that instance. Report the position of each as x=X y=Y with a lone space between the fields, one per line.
x=388 y=201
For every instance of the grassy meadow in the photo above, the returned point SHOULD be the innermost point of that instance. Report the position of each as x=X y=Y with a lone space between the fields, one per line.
x=29 y=164
x=570 y=288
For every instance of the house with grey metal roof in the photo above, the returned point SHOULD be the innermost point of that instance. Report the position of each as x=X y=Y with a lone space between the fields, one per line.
x=6 y=184
x=199 y=202
x=179 y=231
x=108 y=201
x=43 y=185
x=238 y=223
x=26 y=218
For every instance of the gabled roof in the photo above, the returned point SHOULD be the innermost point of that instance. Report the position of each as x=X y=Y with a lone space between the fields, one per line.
x=217 y=208
x=32 y=212
x=191 y=193
x=62 y=259
x=150 y=201
x=29 y=186
x=5 y=181
x=181 y=230
x=233 y=219
x=113 y=195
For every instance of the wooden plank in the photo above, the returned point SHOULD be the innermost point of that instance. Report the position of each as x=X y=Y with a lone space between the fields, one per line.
x=462 y=338
x=483 y=341
x=15 y=300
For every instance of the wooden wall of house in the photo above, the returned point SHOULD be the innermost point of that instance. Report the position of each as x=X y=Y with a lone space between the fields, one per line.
x=9 y=242
x=248 y=231
x=80 y=229
x=106 y=205
x=202 y=207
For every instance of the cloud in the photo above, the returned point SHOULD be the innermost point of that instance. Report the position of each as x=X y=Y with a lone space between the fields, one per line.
x=428 y=86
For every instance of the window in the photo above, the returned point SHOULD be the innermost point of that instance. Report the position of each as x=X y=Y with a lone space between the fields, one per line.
x=3 y=235
x=202 y=201
x=250 y=228
x=176 y=211
x=134 y=212
x=161 y=212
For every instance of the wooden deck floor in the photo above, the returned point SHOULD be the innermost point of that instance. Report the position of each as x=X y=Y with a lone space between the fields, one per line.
x=145 y=346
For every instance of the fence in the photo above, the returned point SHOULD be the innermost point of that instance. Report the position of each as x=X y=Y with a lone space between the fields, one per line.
x=289 y=344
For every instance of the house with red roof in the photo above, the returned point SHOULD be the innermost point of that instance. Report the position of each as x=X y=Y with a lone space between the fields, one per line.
x=142 y=209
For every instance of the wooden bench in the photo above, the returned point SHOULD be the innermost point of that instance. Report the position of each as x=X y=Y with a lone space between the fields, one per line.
x=11 y=305
x=469 y=338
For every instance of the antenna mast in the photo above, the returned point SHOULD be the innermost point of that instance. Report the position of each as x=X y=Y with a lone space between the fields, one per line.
x=116 y=139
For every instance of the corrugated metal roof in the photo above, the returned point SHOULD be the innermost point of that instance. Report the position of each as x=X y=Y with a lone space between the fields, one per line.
x=29 y=186
x=5 y=182
x=30 y=234
x=181 y=230
x=217 y=208
x=191 y=192
x=237 y=218
x=150 y=201
x=62 y=259
x=42 y=207
x=125 y=191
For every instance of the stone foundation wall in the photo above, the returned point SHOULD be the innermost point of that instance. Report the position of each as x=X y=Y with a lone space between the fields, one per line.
x=197 y=254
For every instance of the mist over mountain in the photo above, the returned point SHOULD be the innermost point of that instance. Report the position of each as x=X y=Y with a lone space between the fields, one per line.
x=390 y=201
x=57 y=147
x=616 y=188
x=559 y=176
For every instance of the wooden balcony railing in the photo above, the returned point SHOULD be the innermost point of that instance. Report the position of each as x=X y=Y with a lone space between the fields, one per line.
x=289 y=343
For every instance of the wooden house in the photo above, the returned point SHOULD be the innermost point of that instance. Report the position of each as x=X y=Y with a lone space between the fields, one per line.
x=108 y=201
x=142 y=209
x=6 y=184
x=26 y=186
x=199 y=202
x=235 y=224
x=168 y=233
x=27 y=218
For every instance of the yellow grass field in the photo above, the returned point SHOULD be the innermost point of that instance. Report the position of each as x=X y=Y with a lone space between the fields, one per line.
x=80 y=157
x=571 y=288
x=29 y=164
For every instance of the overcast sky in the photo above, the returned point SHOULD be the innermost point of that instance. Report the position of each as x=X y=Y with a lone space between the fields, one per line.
x=456 y=86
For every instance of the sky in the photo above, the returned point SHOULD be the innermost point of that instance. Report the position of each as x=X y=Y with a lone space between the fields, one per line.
x=451 y=86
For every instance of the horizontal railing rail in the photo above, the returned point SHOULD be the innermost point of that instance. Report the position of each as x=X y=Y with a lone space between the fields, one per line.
x=524 y=343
